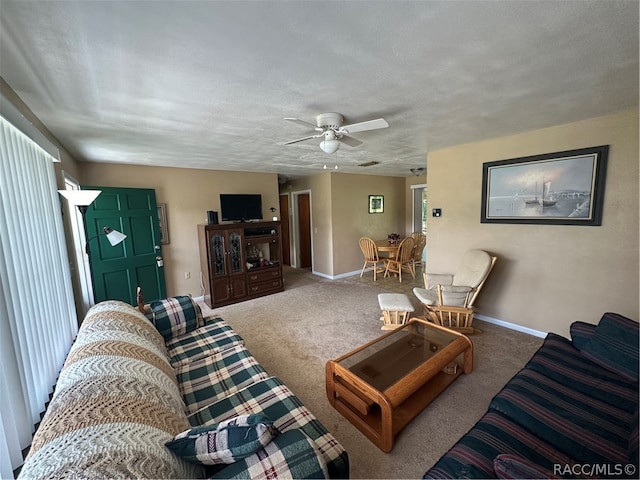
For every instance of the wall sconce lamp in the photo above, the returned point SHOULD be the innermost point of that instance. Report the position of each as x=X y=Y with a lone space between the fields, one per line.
x=114 y=236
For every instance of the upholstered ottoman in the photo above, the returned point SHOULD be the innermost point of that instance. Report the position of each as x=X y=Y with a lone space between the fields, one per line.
x=396 y=309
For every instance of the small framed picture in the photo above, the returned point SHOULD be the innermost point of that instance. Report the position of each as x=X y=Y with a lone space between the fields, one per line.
x=376 y=203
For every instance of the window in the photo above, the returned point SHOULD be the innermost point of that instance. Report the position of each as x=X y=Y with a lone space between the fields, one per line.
x=38 y=320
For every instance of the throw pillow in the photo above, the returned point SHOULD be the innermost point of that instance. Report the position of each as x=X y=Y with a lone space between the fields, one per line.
x=290 y=455
x=224 y=442
x=513 y=466
x=614 y=345
x=581 y=334
x=176 y=316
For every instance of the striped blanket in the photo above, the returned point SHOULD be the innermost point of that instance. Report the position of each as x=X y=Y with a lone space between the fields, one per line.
x=117 y=398
x=566 y=414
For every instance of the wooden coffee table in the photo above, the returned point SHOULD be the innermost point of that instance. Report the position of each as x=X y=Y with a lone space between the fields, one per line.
x=383 y=385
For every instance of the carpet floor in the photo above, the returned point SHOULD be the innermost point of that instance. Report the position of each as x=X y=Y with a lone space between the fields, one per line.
x=294 y=333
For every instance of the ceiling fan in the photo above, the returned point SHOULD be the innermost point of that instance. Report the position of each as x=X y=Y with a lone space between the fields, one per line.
x=329 y=127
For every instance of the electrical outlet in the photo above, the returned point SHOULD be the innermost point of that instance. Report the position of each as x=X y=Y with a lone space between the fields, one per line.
x=187 y=275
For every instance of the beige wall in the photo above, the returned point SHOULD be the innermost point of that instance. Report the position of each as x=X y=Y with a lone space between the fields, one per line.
x=547 y=276
x=188 y=193
x=351 y=218
x=340 y=216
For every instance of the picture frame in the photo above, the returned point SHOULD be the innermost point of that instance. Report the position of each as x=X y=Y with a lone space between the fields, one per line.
x=560 y=188
x=162 y=221
x=376 y=203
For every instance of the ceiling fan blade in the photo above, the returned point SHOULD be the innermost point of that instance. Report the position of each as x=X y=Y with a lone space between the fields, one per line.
x=302 y=122
x=363 y=126
x=302 y=139
x=352 y=142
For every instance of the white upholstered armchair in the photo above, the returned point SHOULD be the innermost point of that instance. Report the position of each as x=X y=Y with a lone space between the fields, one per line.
x=448 y=298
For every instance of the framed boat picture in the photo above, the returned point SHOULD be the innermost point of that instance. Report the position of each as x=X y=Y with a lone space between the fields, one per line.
x=562 y=188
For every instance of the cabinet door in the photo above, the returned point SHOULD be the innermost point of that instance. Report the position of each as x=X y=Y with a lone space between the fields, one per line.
x=238 y=287
x=218 y=254
x=220 y=291
x=235 y=252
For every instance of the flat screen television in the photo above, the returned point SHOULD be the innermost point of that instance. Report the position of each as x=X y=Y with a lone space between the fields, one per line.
x=240 y=207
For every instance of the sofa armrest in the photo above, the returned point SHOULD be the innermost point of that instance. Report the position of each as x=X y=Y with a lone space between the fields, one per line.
x=291 y=454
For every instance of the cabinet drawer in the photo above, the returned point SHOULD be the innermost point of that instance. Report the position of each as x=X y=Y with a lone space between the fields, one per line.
x=275 y=284
x=257 y=277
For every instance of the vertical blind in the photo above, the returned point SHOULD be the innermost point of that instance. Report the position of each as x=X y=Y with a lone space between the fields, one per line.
x=38 y=320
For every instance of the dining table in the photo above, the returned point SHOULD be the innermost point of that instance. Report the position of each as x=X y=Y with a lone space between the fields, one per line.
x=391 y=249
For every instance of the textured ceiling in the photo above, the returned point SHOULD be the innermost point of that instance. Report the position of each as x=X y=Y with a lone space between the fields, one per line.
x=207 y=84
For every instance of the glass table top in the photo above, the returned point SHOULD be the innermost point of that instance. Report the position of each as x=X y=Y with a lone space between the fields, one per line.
x=385 y=361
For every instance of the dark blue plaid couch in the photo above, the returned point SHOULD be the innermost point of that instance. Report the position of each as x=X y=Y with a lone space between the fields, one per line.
x=571 y=412
x=219 y=379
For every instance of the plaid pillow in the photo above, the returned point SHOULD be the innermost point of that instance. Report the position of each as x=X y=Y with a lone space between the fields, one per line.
x=224 y=442
x=290 y=455
x=176 y=316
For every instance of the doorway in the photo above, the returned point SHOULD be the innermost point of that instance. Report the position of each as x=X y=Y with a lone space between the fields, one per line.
x=284 y=221
x=303 y=254
x=419 y=223
x=81 y=261
x=117 y=270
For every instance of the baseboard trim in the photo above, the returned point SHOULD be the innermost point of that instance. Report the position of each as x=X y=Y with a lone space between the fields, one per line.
x=511 y=326
x=336 y=277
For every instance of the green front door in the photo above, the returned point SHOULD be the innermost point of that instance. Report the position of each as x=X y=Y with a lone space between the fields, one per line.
x=118 y=270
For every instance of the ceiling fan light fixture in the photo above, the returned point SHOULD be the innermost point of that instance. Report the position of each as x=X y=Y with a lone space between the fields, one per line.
x=329 y=146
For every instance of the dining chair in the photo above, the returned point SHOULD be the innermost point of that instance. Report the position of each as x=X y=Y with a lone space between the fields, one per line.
x=402 y=260
x=371 y=258
x=420 y=241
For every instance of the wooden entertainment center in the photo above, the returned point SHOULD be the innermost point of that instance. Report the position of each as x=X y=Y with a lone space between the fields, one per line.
x=240 y=261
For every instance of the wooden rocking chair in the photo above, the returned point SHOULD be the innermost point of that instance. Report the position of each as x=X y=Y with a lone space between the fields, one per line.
x=448 y=299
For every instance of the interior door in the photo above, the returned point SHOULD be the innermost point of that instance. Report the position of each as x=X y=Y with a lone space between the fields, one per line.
x=284 y=220
x=118 y=270
x=304 y=227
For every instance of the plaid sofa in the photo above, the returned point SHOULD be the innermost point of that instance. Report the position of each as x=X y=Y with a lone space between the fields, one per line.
x=133 y=383
x=571 y=412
